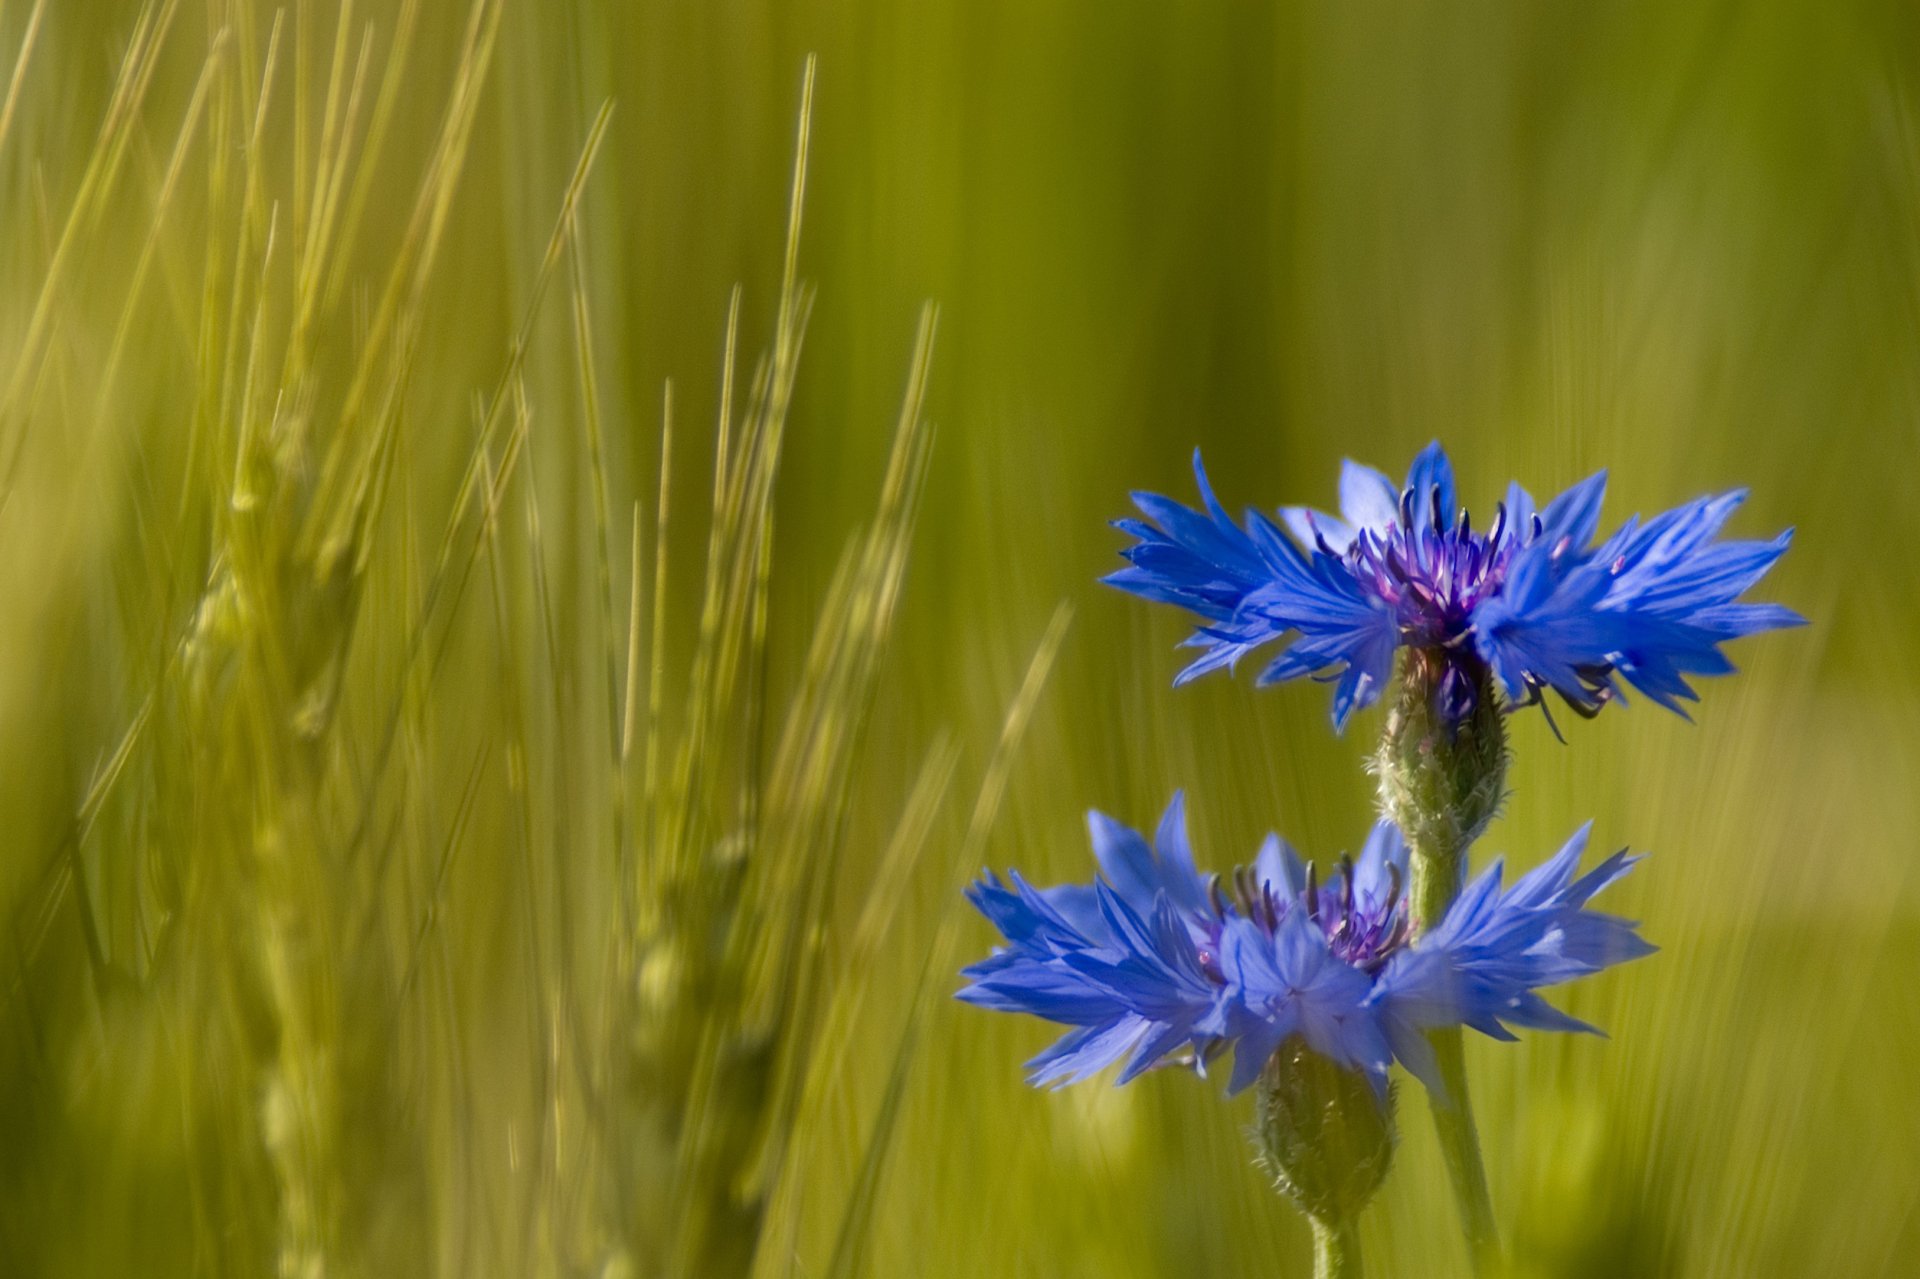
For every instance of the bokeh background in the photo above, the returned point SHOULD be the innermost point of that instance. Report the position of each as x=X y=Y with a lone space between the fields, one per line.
x=330 y=907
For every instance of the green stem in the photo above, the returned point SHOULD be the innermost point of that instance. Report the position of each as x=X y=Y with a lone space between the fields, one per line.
x=1460 y=1147
x=1436 y=882
x=1336 y=1250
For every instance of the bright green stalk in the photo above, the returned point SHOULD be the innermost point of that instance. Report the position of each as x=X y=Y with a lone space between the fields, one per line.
x=1460 y=1146
x=1442 y=783
x=1336 y=1251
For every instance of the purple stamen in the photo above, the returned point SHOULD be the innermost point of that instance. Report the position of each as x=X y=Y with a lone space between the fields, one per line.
x=1433 y=576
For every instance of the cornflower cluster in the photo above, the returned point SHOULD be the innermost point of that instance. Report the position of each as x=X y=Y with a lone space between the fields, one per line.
x=1317 y=982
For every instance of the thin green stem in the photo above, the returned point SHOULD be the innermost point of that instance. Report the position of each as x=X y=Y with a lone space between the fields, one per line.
x=1460 y=1147
x=1336 y=1250
x=1435 y=883
x=1431 y=888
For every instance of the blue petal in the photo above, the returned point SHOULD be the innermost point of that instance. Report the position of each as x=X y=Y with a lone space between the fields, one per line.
x=1252 y=1051
x=1484 y=963
x=1430 y=481
x=1653 y=604
x=1280 y=868
x=1152 y=1050
x=1125 y=860
x=1178 y=877
x=1051 y=991
x=1520 y=511
x=1367 y=499
x=1253 y=586
x=1310 y=528
x=1385 y=849
x=1575 y=514
x=1140 y=872
x=1086 y=1052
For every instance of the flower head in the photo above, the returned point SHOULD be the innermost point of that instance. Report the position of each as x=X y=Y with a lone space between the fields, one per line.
x=1532 y=599
x=1153 y=963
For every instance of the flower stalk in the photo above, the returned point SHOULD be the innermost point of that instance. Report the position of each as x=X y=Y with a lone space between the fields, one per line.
x=1442 y=766
x=1336 y=1250
x=1460 y=1147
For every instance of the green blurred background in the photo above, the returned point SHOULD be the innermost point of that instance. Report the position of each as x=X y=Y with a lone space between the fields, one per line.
x=1679 y=241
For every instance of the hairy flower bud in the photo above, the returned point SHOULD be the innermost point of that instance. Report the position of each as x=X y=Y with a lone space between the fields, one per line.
x=1323 y=1131
x=1442 y=765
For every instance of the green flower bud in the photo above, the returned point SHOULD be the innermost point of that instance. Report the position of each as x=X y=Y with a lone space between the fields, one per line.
x=1323 y=1132
x=1442 y=766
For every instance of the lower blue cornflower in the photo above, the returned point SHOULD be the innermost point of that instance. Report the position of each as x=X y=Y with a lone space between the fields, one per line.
x=1153 y=964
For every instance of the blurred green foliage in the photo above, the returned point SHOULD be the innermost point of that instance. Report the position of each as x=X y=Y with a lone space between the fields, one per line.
x=321 y=809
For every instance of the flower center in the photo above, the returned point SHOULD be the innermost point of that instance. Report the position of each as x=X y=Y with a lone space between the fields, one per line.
x=1433 y=574
x=1361 y=930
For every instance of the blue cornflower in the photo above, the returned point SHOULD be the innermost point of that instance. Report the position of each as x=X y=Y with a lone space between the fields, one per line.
x=1533 y=600
x=1153 y=963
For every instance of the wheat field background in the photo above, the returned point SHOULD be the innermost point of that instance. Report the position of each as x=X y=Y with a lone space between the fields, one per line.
x=453 y=824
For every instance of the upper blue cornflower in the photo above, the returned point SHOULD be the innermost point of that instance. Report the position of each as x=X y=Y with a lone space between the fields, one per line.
x=1153 y=963
x=1533 y=598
